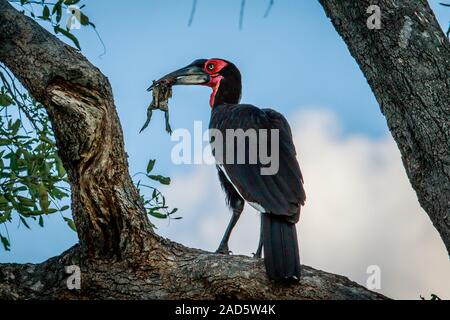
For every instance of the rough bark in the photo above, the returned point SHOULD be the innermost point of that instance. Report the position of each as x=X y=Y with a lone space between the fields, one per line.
x=407 y=65
x=182 y=273
x=119 y=254
x=107 y=211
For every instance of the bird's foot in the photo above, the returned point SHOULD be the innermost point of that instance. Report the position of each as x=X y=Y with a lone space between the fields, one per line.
x=223 y=250
x=257 y=255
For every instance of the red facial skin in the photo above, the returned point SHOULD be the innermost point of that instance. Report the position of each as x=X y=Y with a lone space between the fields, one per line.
x=213 y=67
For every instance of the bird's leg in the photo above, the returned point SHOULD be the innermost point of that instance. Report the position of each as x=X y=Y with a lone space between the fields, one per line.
x=223 y=247
x=260 y=244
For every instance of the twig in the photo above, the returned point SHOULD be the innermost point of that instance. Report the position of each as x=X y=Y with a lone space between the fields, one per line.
x=241 y=16
x=100 y=39
x=194 y=8
x=269 y=8
x=14 y=96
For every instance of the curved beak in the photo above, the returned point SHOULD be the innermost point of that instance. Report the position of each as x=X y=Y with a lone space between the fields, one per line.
x=190 y=75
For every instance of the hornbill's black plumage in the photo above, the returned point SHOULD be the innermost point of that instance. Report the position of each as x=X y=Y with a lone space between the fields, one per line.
x=277 y=196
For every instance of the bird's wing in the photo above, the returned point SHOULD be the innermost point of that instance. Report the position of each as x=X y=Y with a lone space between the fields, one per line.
x=281 y=193
x=280 y=122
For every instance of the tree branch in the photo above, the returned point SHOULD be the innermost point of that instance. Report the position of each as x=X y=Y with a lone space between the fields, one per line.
x=407 y=65
x=119 y=254
x=181 y=274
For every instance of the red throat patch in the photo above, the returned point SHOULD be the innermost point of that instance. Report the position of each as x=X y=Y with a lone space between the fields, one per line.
x=213 y=68
x=214 y=84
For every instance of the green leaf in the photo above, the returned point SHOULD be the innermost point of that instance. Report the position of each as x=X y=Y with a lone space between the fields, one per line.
x=160 y=179
x=5 y=142
x=5 y=217
x=21 y=188
x=22 y=209
x=84 y=19
x=41 y=221
x=46 y=13
x=158 y=215
x=64 y=208
x=24 y=222
x=3 y=200
x=5 y=243
x=5 y=100
x=43 y=198
x=58 y=10
x=70 y=2
x=13 y=163
x=58 y=194
x=70 y=223
x=26 y=201
x=45 y=139
x=68 y=35
x=150 y=165
x=59 y=167
x=15 y=127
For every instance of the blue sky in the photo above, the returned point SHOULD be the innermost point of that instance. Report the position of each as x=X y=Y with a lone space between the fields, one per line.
x=293 y=61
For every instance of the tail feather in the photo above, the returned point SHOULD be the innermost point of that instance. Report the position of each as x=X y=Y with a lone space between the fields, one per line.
x=281 y=255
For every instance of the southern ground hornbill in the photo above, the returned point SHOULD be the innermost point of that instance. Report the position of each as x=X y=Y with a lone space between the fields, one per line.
x=278 y=196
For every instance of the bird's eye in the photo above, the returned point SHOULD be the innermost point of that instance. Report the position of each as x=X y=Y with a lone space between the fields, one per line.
x=210 y=66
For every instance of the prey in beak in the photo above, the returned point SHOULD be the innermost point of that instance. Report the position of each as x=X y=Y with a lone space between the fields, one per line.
x=192 y=74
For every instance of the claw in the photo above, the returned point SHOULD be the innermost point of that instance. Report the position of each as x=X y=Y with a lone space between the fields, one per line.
x=224 y=250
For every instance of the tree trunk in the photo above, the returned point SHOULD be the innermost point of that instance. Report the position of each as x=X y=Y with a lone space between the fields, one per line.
x=407 y=65
x=106 y=207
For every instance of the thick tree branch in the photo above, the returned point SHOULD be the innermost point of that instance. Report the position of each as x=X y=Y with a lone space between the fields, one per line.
x=109 y=215
x=407 y=65
x=182 y=274
x=119 y=254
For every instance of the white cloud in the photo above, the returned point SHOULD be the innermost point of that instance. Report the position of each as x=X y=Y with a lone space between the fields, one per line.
x=360 y=211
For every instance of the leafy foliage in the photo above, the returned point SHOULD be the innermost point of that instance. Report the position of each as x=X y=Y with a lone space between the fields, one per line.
x=33 y=182
x=155 y=205
x=32 y=178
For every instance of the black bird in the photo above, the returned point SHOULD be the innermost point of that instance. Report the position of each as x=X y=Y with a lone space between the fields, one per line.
x=279 y=196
